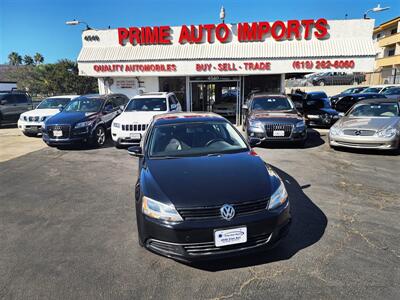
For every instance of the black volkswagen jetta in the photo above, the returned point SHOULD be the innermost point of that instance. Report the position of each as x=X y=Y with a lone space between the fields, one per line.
x=85 y=119
x=202 y=192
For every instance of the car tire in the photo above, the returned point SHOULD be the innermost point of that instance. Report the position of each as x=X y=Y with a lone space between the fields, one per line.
x=118 y=145
x=99 y=136
x=321 y=83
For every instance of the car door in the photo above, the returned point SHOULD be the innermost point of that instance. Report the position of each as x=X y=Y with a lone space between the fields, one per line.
x=8 y=108
x=23 y=103
x=111 y=110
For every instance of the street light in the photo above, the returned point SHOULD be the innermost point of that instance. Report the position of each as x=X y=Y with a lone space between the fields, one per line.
x=76 y=22
x=378 y=8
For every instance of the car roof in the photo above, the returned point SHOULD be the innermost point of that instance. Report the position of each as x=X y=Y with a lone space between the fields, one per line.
x=378 y=100
x=102 y=96
x=364 y=94
x=316 y=93
x=64 y=96
x=263 y=95
x=152 y=95
x=186 y=117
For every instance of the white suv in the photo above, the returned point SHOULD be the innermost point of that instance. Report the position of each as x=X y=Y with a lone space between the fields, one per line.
x=31 y=122
x=129 y=127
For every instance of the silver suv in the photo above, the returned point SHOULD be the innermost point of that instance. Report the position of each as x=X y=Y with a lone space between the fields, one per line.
x=12 y=104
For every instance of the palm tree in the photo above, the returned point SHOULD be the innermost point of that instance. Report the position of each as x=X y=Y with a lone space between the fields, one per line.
x=38 y=58
x=14 y=59
x=28 y=60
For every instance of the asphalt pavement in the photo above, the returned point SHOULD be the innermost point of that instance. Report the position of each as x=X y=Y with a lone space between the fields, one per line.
x=68 y=231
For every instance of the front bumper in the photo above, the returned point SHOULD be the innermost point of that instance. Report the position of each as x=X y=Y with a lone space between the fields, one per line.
x=123 y=137
x=194 y=240
x=75 y=137
x=30 y=127
x=295 y=136
x=364 y=142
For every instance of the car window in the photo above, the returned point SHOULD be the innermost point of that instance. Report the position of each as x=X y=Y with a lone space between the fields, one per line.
x=375 y=110
x=371 y=90
x=51 y=103
x=7 y=98
x=147 y=104
x=271 y=103
x=194 y=139
x=392 y=91
x=20 y=98
x=119 y=101
x=345 y=104
x=84 y=105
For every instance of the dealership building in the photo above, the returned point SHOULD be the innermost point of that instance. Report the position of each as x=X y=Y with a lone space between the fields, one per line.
x=212 y=63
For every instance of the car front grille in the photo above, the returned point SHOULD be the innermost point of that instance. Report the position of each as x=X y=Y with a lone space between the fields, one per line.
x=64 y=128
x=134 y=127
x=355 y=132
x=32 y=119
x=210 y=212
x=286 y=128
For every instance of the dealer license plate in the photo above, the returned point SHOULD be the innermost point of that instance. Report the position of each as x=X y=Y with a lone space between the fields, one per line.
x=136 y=136
x=230 y=236
x=57 y=133
x=279 y=133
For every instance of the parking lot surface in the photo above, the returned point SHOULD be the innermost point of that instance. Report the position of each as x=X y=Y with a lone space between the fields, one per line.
x=68 y=230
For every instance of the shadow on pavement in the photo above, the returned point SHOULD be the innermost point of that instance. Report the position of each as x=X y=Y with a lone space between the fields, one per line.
x=308 y=226
x=369 y=151
x=314 y=140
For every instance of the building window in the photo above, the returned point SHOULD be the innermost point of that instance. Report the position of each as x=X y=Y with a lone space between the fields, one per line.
x=378 y=35
x=391 y=52
x=393 y=31
x=176 y=85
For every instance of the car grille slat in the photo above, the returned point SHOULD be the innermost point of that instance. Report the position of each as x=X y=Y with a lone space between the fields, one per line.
x=134 y=127
x=271 y=127
x=64 y=128
x=214 y=211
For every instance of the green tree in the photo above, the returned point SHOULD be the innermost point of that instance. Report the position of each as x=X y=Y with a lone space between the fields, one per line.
x=14 y=59
x=38 y=58
x=28 y=60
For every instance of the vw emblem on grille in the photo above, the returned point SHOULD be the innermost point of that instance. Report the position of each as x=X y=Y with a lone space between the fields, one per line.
x=227 y=212
x=357 y=132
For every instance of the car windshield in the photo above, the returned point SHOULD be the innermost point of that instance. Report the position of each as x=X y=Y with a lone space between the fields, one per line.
x=84 y=105
x=392 y=91
x=271 y=103
x=318 y=103
x=352 y=91
x=53 y=103
x=195 y=139
x=375 y=110
x=147 y=104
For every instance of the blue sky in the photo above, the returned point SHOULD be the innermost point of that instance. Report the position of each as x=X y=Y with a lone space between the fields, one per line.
x=29 y=26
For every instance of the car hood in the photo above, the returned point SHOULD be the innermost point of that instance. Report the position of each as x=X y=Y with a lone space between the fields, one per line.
x=367 y=123
x=268 y=116
x=41 y=112
x=135 y=117
x=208 y=181
x=68 y=118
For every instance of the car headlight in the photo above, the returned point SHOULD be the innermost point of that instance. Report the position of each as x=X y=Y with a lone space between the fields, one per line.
x=21 y=117
x=161 y=211
x=313 y=117
x=83 y=124
x=300 y=125
x=254 y=123
x=335 y=131
x=42 y=119
x=387 y=132
x=278 y=197
x=116 y=125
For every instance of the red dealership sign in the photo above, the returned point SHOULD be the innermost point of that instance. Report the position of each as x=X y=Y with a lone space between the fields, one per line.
x=246 y=32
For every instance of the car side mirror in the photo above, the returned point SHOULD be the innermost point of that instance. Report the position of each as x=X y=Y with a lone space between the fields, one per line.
x=254 y=141
x=173 y=106
x=60 y=108
x=135 y=151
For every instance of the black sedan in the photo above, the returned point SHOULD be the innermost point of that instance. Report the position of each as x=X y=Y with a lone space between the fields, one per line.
x=84 y=120
x=203 y=193
x=344 y=104
x=274 y=118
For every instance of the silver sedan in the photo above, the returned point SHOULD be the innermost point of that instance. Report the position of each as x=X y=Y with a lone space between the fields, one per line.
x=372 y=124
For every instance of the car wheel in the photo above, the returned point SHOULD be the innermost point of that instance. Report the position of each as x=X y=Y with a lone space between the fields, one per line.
x=99 y=136
x=321 y=83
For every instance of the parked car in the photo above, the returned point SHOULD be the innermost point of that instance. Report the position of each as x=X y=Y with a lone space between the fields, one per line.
x=392 y=93
x=229 y=201
x=12 y=105
x=337 y=78
x=377 y=89
x=31 y=122
x=85 y=119
x=227 y=105
x=370 y=124
x=350 y=91
x=316 y=108
x=129 y=127
x=274 y=118
x=344 y=104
